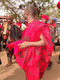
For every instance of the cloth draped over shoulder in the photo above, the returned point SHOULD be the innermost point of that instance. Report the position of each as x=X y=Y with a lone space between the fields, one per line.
x=34 y=60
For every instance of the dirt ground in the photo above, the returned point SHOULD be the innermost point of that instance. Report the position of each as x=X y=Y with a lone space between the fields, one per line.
x=14 y=72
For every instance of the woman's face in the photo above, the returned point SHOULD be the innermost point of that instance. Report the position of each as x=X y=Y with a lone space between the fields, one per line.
x=9 y=27
x=25 y=14
x=51 y=21
x=43 y=20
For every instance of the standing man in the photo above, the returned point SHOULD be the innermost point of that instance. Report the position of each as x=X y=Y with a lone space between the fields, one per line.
x=15 y=35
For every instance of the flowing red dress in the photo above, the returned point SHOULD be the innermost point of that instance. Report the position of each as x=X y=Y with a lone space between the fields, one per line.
x=34 y=60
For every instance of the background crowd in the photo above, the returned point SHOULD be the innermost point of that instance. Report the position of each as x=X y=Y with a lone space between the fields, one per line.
x=11 y=30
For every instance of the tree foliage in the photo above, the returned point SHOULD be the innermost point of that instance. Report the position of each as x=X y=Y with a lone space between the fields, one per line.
x=53 y=12
x=14 y=6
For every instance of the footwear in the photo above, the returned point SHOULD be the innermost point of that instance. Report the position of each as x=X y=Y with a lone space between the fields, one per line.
x=0 y=62
x=9 y=64
x=49 y=66
x=58 y=62
x=0 y=50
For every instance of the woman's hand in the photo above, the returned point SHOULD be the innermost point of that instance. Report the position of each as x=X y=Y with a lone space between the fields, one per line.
x=36 y=43
x=23 y=45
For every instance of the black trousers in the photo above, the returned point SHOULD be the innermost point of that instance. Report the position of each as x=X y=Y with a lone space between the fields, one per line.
x=0 y=62
x=4 y=43
x=0 y=45
x=9 y=55
x=0 y=42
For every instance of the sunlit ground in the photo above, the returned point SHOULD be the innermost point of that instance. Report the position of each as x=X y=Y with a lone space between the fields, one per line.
x=14 y=72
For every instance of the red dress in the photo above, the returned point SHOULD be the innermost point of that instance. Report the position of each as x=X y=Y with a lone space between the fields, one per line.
x=34 y=60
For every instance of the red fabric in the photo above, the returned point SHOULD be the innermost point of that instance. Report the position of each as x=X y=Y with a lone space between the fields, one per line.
x=58 y=4
x=11 y=45
x=34 y=60
x=45 y=17
x=19 y=24
x=26 y=24
x=53 y=25
x=7 y=32
x=0 y=26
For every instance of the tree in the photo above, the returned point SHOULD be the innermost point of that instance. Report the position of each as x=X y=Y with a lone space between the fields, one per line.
x=41 y=6
x=54 y=12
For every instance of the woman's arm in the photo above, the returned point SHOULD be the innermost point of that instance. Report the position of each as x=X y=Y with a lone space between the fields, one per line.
x=37 y=43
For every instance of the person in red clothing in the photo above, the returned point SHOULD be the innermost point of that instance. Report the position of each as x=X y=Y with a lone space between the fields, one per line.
x=34 y=49
x=52 y=23
x=45 y=19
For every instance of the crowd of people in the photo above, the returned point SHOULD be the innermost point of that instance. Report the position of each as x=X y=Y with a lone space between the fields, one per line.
x=35 y=40
x=10 y=30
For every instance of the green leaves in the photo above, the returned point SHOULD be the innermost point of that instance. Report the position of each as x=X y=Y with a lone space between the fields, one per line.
x=15 y=16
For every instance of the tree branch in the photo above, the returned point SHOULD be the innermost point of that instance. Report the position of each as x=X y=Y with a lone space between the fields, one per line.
x=12 y=10
x=11 y=4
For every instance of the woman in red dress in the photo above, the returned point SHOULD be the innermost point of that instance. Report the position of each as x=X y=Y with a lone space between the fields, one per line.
x=34 y=49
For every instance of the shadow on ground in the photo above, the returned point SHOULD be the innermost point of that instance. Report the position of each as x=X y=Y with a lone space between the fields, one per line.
x=14 y=72
x=53 y=74
x=18 y=75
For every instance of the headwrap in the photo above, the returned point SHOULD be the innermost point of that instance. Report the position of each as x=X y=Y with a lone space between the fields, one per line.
x=45 y=17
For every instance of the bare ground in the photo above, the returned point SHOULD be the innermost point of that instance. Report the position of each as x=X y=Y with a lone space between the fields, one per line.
x=14 y=72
